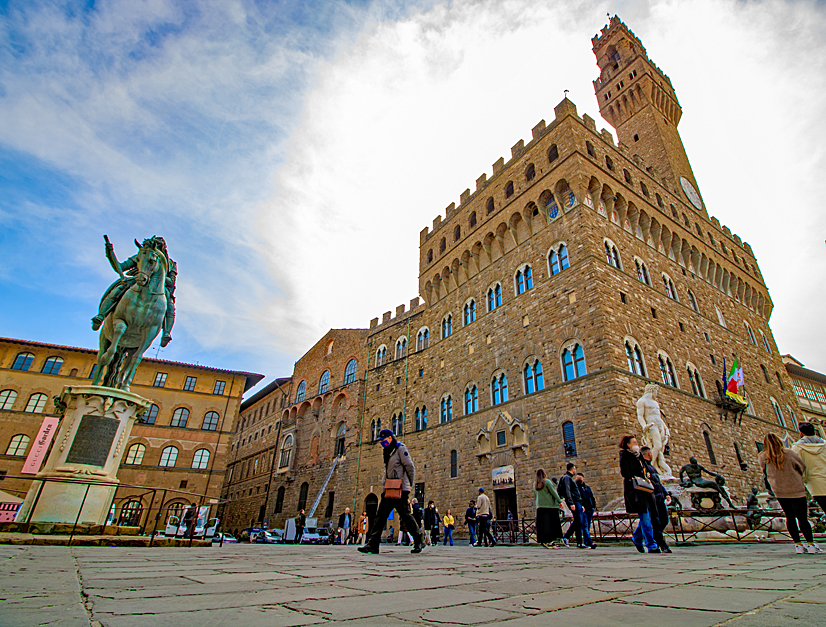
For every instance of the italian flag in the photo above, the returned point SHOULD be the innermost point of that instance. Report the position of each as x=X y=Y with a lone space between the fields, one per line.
x=736 y=382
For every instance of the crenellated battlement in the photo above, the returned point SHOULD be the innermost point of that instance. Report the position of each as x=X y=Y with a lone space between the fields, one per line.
x=402 y=313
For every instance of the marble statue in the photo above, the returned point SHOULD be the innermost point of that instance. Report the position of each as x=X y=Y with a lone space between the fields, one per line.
x=134 y=310
x=655 y=433
x=693 y=472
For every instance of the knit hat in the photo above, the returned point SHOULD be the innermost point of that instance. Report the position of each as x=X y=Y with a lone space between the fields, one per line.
x=385 y=433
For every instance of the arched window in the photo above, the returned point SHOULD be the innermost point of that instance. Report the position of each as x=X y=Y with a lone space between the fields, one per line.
x=52 y=365
x=302 y=390
x=779 y=380
x=553 y=153
x=7 y=398
x=720 y=317
x=23 y=361
x=457 y=233
x=150 y=415
x=494 y=296
x=201 y=459
x=373 y=431
x=401 y=347
x=286 y=451
x=633 y=354
x=442 y=245
x=499 y=388
x=778 y=413
x=693 y=300
x=489 y=206
x=627 y=176
x=569 y=438
x=447 y=326
x=644 y=190
x=397 y=423
x=765 y=374
x=558 y=259
x=589 y=147
x=423 y=338
x=302 y=496
x=340 y=433
x=609 y=163
x=469 y=312
x=471 y=399
x=36 y=403
x=134 y=456
x=573 y=362
x=667 y=370
x=18 y=445
x=523 y=280
x=430 y=256
x=350 y=372
x=179 y=417
x=642 y=272
x=612 y=254
x=534 y=379
x=279 y=500
x=792 y=417
x=421 y=418
x=766 y=344
x=711 y=456
x=670 y=291
x=696 y=381
x=130 y=514
x=472 y=219
x=211 y=419
x=324 y=382
x=454 y=464
x=509 y=189
x=447 y=409
x=530 y=172
x=168 y=457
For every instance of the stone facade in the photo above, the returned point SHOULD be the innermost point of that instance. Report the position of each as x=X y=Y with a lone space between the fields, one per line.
x=810 y=389
x=196 y=389
x=574 y=253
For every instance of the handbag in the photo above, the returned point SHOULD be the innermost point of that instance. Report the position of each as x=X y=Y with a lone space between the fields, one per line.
x=393 y=488
x=642 y=485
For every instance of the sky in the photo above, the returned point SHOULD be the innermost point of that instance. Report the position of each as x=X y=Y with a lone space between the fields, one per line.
x=290 y=152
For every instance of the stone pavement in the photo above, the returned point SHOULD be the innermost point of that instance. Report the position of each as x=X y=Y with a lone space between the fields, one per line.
x=274 y=585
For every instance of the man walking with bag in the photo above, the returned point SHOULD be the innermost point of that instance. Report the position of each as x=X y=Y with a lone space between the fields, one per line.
x=399 y=477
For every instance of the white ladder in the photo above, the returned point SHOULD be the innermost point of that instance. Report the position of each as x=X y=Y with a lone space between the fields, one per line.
x=323 y=487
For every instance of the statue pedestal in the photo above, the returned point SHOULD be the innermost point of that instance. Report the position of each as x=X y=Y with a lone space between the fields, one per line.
x=88 y=448
x=704 y=499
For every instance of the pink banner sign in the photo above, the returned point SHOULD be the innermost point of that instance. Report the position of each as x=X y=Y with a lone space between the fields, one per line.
x=41 y=444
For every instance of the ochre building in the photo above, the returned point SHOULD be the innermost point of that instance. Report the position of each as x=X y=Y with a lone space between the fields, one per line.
x=582 y=269
x=181 y=445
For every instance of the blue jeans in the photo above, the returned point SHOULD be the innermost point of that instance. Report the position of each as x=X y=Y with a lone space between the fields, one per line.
x=587 y=516
x=645 y=531
x=448 y=536
x=471 y=526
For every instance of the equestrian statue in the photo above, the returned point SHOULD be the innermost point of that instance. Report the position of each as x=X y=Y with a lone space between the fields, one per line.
x=134 y=310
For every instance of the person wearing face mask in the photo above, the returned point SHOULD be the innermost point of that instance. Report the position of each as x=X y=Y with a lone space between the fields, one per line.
x=662 y=499
x=429 y=520
x=637 y=491
x=398 y=465
x=589 y=506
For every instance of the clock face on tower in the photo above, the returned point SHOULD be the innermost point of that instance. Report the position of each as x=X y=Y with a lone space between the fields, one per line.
x=692 y=194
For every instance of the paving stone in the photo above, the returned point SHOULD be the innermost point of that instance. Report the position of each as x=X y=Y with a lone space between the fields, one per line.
x=705 y=598
x=248 y=617
x=782 y=615
x=619 y=615
x=466 y=615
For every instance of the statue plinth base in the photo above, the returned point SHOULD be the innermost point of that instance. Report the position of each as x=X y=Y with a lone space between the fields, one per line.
x=704 y=499
x=86 y=453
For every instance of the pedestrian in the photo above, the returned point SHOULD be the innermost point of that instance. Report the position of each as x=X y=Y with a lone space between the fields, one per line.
x=300 y=522
x=812 y=451
x=399 y=477
x=589 y=506
x=470 y=521
x=429 y=517
x=449 y=526
x=637 y=491
x=344 y=522
x=662 y=499
x=548 y=526
x=784 y=470
x=437 y=520
x=569 y=490
x=404 y=537
x=363 y=525
x=483 y=518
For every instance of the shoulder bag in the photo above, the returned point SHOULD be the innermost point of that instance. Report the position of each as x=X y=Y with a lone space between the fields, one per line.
x=642 y=485
x=392 y=487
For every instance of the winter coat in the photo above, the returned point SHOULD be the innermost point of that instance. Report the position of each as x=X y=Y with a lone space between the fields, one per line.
x=429 y=518
x=470 y=516
x=483 y=505
x=786 y=481
x=659 y=490
x=547 y=496
x=631 y=465
x=341 y=521
x=589 y=503
x=400 y=466
x=813 y=455
x=569 y=490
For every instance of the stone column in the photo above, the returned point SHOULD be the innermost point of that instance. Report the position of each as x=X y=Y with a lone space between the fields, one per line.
x=88 y=447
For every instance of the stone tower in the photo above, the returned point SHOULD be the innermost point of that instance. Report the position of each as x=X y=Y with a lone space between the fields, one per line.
x=638 y=100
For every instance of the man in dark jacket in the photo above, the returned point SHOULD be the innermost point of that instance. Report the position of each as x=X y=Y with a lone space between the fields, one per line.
x=659 y=510
x=569 y=490
x=300 y=522
x=589 y=506
x=429 y=520
x=470 y=521
x=345 y=521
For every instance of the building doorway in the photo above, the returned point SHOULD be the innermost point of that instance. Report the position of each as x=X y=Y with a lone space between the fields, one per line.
x=506 y=503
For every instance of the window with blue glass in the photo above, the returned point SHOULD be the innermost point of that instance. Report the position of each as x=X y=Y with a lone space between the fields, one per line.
x=52 y=365
x=302 y=390
x=494 y=297
x=423 y=339
x=569 y=439
x=421 y=418
x=350 y=372
x=447 y=410
x=447 y=326
x=573 y=362
x=324 y=382
x=471 y=400
x=524 y=280
x=469 y=312
x=499 y=388
x=558 y=259
x=23 y=361
x=534 y=379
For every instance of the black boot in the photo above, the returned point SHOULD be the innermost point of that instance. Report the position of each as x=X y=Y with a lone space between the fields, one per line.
x=417 y=548
x=368 y=549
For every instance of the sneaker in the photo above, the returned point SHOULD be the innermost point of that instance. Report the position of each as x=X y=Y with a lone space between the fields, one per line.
x=593 y=546
x=813 y=548
x=657 y=550
x=799 y=549
x=565 y=541
x=417 y=548
x=368 y=549
x=665 y=549
x=640 y=548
